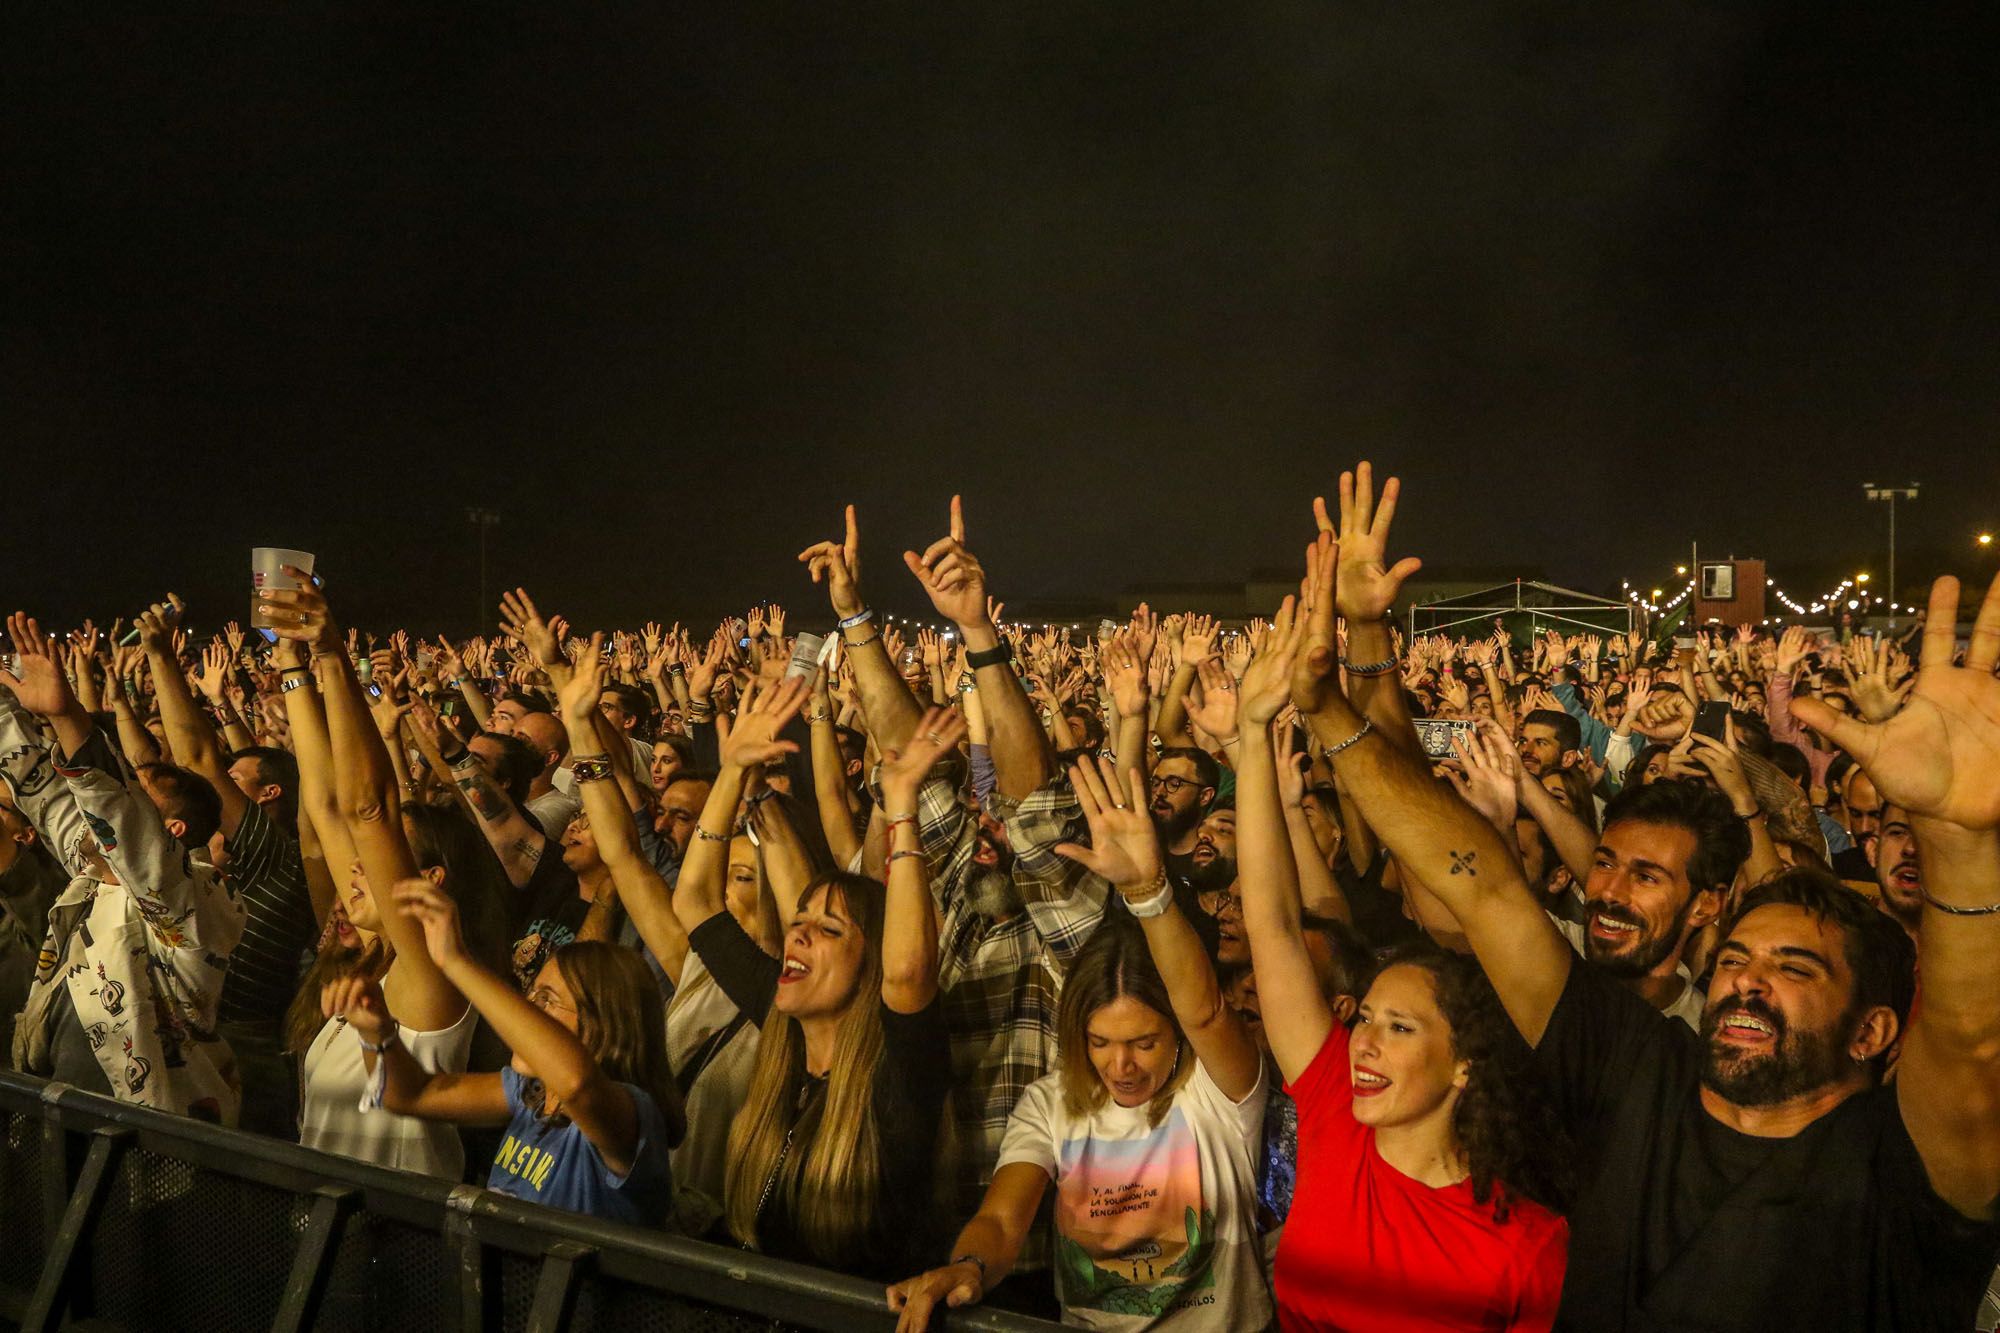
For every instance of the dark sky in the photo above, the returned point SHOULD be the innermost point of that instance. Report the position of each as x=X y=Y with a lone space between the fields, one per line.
x=1596 y=279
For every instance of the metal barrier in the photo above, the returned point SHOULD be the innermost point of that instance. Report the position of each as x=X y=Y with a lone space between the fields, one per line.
x=117 y=1217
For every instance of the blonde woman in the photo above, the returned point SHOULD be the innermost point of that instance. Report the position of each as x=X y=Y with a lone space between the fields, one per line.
x=832 y=1158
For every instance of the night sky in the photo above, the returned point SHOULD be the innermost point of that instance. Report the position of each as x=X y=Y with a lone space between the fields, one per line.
x=1596 y=280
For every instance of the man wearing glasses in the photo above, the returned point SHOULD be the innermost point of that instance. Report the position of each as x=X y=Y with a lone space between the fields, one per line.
x=1183 y=787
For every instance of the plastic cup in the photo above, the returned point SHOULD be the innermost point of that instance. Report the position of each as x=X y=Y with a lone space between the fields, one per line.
x=267 y=573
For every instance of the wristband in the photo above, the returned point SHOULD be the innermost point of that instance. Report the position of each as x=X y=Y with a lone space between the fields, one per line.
x=998 y=655
x=1382 y=668
x=706 y=836
x=464 y=755
x=897 y=856
x=976 y=1262
x=388 y=1039
x=1159 y=898
x=591 y=770
x=874 y=637
x=861 y=617
x=297 y=682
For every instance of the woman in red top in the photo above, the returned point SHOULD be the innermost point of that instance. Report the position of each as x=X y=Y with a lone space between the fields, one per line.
x=1426 y=1183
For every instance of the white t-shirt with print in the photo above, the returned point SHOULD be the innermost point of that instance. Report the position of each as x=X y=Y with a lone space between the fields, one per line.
x=1156 y=1227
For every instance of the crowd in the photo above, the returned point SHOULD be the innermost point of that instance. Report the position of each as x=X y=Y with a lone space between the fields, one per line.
x=1184 y=977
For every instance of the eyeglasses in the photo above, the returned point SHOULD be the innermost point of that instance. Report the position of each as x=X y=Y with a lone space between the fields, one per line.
x=548 y=1001
x=1172 y=785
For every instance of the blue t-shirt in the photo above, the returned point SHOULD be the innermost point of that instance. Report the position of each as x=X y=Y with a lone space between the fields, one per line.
x=553 y=1163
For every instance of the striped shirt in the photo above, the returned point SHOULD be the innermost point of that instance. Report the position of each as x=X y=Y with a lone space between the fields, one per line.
x=270 y=882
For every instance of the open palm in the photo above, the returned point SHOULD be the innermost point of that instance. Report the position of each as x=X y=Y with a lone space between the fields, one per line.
x=1939 y=756
x=1123 y=845
x=37 y=679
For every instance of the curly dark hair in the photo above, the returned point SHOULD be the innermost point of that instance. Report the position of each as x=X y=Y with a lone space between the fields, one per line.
x=1511 y=1137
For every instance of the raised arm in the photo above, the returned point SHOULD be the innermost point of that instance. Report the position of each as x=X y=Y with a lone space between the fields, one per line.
x=648 y=900
x=321 y=829
x=1366 y=589
x=891 y=708
x=831 y=794
x=1435 y=835
x=909 y=922
x=365 y=790
x=1939 y=758
x=571 y=1078
x=699 y=891
x=188 y=729
x=956 y=584
x=1125 y=849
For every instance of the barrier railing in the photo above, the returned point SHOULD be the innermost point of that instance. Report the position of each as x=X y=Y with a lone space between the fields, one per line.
x=117 y=1217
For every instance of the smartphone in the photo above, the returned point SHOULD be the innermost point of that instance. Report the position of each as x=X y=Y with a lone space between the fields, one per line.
x=1436 y=734
x=1710 y=719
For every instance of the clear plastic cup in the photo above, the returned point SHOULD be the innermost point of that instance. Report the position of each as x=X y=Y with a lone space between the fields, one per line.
x=267 y=572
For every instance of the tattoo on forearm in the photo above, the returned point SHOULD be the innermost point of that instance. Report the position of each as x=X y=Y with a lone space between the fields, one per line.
x=486 y=798
x=1462 y=862
x=528 y=850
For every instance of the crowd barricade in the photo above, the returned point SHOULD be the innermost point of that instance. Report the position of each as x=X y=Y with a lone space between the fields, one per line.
x=116 y=1217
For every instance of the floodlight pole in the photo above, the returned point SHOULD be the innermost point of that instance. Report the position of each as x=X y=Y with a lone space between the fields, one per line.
x=1891 y=494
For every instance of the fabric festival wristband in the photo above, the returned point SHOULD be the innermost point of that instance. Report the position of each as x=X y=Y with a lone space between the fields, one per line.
x=861 y=617
x=591 y=770
x=1382 y=668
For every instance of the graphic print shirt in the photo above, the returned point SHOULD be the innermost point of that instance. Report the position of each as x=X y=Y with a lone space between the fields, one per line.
x=1155 y=1225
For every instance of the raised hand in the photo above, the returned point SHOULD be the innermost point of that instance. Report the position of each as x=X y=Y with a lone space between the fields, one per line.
x=1125 y=675
x=1267 y=687
x=37 y=678
x=213 y=673
x=903 y=771
x=433 y=909
x=1939 y=755
x=1145 y=632
x=1718 y=759
x=1215 y=711
x=1365 y=587
x=1665 y=719
x=838 y=564
x=1315 y=664
x=578 y=696
x=1489 y=774
x=520 y=618
x=1793 y=645
x=1198 y=640
x=952 y=576
x=753 y=739
x=1124 y=848
x=301 y=613
x=1874 y=678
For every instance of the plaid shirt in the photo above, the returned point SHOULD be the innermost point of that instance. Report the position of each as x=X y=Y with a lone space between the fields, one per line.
x=1001 y=981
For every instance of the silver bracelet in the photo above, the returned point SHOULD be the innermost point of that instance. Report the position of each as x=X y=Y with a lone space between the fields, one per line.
x=1367 y=725
x=1990 y=909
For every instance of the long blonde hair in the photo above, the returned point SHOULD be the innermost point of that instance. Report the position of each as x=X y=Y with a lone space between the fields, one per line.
x=828 y=1184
